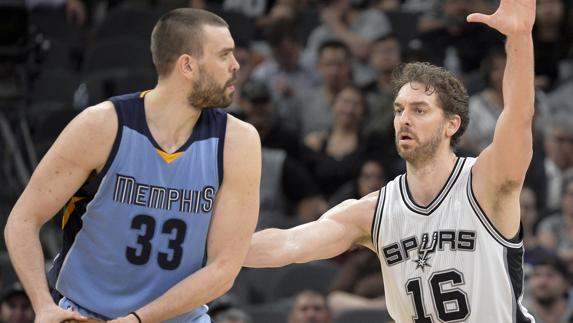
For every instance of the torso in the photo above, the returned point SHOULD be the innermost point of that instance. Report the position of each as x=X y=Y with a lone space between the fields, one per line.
x=141 y=225
x=446 y=262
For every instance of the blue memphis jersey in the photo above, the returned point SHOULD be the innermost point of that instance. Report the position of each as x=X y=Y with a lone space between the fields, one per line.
x=140 y=226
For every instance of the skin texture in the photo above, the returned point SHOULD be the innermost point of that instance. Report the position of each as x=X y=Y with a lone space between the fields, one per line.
x=84 y=146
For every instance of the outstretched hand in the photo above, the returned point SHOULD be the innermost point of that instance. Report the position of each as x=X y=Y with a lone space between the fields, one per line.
x=513 y=17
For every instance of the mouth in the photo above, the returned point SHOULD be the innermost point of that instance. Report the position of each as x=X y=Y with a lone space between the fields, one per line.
x=405 y=138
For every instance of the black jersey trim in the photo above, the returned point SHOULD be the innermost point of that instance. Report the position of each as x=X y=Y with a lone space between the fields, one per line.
x=221 y=147
x=414 y=207
x=516 y=242
x=377 y=221
x=514 y=269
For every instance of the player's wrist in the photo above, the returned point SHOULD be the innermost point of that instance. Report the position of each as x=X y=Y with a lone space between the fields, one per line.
x=136 y=316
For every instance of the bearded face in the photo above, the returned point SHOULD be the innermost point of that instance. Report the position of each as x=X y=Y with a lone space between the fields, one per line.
x=413 y=149
x=206 y=92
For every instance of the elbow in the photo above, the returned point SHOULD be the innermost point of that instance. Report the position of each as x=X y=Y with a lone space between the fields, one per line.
x=225 y=275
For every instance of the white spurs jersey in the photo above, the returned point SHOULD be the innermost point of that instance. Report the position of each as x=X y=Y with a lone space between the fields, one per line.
x=446 y=262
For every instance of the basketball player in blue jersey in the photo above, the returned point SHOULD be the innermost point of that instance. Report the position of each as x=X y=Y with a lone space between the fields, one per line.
x=162 y=190
x=448 y=231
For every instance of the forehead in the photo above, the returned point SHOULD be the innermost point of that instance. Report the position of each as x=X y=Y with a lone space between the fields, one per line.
x=333 y=53
x=416 y=92
x=307 y=300
x=216 y=38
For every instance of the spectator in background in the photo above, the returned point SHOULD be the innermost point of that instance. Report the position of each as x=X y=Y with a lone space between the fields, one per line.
x=447 y=40
x=15 y=306
x=354 y=24
x=285 y=76
x=486 y=106
x=559 y=155
x=232 y=315
x=552 y=37
x=309 y=307
x=246 y=59
x=548 y=285
x=556 y=231
x=289 y=196
x=358 y=284
x=339 y=152
x=314 y=110
x=372 y=177
x=385 y=56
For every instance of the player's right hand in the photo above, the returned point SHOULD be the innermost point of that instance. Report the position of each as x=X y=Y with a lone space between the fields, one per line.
x=56 y=314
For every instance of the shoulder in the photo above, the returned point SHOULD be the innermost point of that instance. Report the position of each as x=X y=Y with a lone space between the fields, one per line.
x=239 y=131
x=98 y=121
x=242 y=149
x=89 y=137
x=356 y=212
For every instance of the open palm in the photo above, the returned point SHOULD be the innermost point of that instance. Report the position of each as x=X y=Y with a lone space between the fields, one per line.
x=513 y=17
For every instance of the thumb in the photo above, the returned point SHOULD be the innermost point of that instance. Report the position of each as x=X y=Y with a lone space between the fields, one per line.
x=77 y=316
x=479 y=17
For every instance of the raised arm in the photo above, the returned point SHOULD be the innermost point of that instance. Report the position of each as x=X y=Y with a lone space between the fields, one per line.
x=234 y=221
x=340 y=228
x=500 y=170
x=82 y=148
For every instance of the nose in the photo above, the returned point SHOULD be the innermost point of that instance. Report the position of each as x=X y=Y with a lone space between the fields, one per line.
x=404 y=118
x=235 y=66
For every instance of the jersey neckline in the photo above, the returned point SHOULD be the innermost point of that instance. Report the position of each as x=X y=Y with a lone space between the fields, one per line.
x=437 y=201
x=147 y=131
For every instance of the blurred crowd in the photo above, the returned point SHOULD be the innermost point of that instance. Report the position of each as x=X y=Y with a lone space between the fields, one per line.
x=315 y=82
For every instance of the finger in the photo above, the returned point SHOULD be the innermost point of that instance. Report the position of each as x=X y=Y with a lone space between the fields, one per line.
x=479 y=17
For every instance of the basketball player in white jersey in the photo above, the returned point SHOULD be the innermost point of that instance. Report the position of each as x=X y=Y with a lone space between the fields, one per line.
x=448 y=231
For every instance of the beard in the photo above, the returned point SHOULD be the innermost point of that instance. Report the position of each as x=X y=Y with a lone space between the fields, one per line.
x=422 y=152
x=207 y=93
x=547 y=300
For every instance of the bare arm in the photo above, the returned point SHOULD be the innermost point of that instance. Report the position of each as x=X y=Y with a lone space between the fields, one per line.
x=234 y=220
x=82 y=148
x=500 y=170
x=336 y=231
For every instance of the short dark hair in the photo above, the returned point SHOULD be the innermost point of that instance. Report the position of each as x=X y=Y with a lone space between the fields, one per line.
x=451 y=93
x=180 y=32
x=554 y=261
x=335 y=44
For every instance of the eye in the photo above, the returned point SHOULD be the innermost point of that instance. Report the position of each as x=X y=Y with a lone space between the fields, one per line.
x=398 y=111
x=419 y=111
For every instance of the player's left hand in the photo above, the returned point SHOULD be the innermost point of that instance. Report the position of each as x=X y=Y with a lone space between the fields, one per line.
x=513 y=17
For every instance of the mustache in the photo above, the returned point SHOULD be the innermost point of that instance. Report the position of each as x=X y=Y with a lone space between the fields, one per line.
x=232 y=80
x=405 y=132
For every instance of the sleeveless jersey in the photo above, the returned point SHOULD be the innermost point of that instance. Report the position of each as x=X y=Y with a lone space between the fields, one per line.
x=140 y=226
x=446 y=262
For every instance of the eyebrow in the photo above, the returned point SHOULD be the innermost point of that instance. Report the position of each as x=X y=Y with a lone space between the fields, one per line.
x=226 y=50
x=415 y=103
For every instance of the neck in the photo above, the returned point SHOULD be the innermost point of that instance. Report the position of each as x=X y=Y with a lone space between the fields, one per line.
x=344 y=130
x=551 y=312
x=169 y=116
x=426 y=179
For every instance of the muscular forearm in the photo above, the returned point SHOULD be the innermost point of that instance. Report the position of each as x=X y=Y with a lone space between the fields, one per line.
x=205 y=285
x=269 y=248
x=518 y=81
x=23 y=243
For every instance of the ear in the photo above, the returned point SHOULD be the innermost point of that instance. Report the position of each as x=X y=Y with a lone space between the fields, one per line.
x=186 y=66
x=453 y=124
